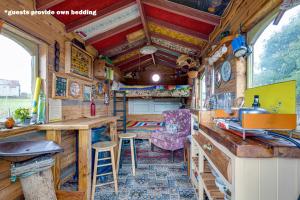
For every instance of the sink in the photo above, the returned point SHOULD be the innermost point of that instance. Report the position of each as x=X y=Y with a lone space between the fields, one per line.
x=24 y=150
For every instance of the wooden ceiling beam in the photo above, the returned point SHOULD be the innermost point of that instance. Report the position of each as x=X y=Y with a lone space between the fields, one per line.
x=114 y=31
x=165 y=63
x=127 y=51
x=162 y=57
x=179 y=28
x=180 y=42
x=184 y=11
x=160 y=46
x=170 y=56
x=132 y=60
x=115 y=7
x=145 y=25
x=46 y=4
x=146 y=63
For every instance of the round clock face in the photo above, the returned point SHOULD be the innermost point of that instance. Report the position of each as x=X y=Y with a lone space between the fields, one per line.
x=226 y=71
x=75 y=89
x=218 y=78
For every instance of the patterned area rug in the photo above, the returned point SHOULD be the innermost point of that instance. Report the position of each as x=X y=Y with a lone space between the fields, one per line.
x=156 y=177
x=159 y=182
x=144 y=124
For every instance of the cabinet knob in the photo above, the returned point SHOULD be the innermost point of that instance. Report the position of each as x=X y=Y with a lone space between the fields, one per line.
x=207 y=147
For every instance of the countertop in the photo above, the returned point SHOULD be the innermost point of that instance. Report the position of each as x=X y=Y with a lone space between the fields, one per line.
x=252 y=147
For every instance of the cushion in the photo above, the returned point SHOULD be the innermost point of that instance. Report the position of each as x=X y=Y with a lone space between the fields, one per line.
x=172 y=128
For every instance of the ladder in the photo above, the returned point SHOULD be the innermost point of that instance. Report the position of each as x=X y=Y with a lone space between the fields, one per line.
x=117 y=109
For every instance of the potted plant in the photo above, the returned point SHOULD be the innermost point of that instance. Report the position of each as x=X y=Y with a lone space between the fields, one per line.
x=23 y=115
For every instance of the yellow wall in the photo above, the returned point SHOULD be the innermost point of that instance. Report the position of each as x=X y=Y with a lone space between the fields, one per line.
x=270 y=97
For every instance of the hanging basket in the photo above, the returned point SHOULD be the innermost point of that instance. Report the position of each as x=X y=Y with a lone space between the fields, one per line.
x=192 y=74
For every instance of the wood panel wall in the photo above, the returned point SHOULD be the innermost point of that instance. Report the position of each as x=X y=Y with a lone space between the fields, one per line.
x=48 y=30
x=244 y=14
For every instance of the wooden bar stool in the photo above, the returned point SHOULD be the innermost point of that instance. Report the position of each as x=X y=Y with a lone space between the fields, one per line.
x=104 y=147
x=127 y=137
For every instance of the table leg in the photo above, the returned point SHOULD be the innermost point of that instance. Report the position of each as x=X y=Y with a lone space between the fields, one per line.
x=84 y=162
x=55 y=136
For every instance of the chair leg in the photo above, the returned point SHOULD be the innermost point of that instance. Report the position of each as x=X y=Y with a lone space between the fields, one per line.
x=132 y=157
x=114 y=169
x=119 y=154
x=152 y=147
x=135 y=155
x=95 y=174
x=172 y=156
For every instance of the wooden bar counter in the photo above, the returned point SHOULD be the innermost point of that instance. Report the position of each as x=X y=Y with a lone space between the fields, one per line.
x=84 y=126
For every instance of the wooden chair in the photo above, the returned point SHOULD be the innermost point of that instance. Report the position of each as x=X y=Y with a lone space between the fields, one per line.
x=123 y=138
x=104 y=147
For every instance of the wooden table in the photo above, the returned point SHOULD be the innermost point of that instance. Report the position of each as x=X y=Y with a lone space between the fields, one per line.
x=84 y=126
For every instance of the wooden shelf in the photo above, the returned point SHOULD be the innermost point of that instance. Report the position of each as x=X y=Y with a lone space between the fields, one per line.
x=226 y=40
x=210 y=187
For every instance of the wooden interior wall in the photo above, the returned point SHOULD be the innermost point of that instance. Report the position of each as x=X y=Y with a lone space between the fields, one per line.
x=245 y=14
x=48 y=30
x=166 y=74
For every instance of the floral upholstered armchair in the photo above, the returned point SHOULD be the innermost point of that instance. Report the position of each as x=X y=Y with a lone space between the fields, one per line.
x=172 y=136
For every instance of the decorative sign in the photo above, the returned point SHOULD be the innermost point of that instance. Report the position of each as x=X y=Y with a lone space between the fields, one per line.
x=75 y=90
x=78 y=61
x=59 y=87
x=87 y=92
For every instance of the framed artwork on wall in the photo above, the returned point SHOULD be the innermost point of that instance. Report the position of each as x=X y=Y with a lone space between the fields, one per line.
x=87 y=92
x=59 y=86
x=75 y=89
x=78 y=62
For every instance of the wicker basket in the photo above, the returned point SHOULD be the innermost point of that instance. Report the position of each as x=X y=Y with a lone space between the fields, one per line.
x=192 y=74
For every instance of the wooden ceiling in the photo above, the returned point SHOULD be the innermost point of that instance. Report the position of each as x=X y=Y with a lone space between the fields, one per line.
x=175 y=27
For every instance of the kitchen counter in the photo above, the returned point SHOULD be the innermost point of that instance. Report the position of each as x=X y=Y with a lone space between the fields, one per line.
x=252 y=147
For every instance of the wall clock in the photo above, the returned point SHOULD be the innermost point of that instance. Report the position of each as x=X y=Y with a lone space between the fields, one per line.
x=226 y=71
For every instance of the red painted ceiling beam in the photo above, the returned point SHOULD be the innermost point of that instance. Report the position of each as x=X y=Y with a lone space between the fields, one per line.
x=114 y=31
x=184 y=11
x=180 y=42
x=115 y=7
x=134 y=61
x=46 y=4
x=179 y=28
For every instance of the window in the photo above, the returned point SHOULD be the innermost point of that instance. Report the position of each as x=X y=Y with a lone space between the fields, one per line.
x=202 y=91
x=276 y=51
x=18 y=60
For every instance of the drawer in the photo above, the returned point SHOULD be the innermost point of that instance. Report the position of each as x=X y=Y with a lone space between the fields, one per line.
x=219 y=159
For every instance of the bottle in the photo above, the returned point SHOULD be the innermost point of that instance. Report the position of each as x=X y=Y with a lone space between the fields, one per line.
x=93 y=108
x=256 y=103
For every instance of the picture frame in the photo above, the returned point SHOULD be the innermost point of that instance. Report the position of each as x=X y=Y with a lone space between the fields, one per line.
x=60 y=86
x=87 y=92
x=75 y=89
x=78 y=62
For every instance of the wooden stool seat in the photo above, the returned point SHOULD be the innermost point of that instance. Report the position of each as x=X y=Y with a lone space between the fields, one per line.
x=127 y=135
x=103 y=147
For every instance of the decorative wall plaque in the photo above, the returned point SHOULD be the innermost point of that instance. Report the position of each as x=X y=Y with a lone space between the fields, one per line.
x=78 y=61
x=59 y=86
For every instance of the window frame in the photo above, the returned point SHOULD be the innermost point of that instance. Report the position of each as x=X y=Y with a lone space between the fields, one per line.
x=252 y=37
x=40 y=61
x=200 y=100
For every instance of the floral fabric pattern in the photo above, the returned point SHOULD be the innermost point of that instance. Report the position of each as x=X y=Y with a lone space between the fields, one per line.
x=173 y=141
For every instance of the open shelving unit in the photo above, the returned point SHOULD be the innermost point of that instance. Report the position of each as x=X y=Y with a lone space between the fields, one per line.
x=202 y=176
